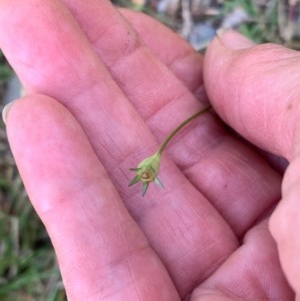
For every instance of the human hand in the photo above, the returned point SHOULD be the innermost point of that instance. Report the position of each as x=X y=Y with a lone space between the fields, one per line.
x=258 y=97
x=112 y=95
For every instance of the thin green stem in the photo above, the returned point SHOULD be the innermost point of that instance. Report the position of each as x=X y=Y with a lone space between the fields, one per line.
x=178 y=128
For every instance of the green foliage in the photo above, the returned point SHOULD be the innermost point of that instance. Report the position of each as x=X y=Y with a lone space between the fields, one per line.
x=263 y=24
x=5 y=70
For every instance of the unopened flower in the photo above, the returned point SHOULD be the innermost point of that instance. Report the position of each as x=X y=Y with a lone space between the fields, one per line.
x=147 y=172
x=148 y=169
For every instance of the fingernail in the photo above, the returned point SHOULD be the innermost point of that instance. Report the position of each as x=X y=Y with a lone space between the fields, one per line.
x=233 y=40
x=6 y=110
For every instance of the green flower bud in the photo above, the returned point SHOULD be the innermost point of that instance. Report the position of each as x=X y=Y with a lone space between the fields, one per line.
x=147 y=172
x=148 y=169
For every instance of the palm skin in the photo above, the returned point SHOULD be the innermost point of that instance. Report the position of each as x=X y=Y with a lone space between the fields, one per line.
x=103 y=92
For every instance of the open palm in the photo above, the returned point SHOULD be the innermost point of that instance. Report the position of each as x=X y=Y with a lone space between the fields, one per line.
x=103 y=93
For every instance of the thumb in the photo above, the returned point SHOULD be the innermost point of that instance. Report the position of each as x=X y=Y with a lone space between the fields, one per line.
x=255 y=89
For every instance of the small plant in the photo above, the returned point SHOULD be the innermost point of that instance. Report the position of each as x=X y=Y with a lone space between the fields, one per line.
x=148 y=169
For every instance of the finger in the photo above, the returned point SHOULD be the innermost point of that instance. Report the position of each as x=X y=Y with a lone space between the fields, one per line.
x=170 y=48
x=120 y=46
x=285 y=226
x=255 y=89
x=101 y=251
x=78 y=79
x=258 y=96
x=252 y=272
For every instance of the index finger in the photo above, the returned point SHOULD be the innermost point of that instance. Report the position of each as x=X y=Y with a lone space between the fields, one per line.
x=102 y=252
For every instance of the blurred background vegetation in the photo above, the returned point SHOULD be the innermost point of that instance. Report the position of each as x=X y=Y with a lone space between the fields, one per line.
x=28 y=267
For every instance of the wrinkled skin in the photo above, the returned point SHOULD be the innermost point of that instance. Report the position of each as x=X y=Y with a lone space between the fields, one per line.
x=104 y=89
